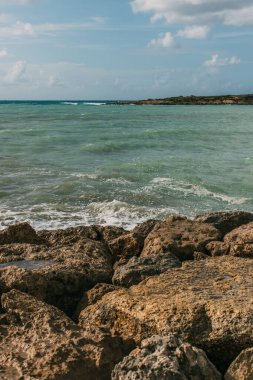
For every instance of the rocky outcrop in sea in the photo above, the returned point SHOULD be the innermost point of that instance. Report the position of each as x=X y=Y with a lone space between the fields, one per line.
x=170 y=299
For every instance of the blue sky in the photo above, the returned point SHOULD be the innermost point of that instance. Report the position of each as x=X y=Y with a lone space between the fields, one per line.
x=122 y=49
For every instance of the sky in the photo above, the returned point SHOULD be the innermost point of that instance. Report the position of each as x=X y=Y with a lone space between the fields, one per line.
x=122 y=49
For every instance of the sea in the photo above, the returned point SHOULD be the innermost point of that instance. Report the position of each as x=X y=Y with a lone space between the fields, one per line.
x=71 y=163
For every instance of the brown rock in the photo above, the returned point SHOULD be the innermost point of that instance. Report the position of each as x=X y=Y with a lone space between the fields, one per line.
x=209 y=303
x=126 y=246
x=77 y=268
x=179 y=236
x=40 y=342
x=93 y=295
x=242 y=366
x=165 y=358
x=200 y=256
x=138 y=268
x=217 y=248
x=226 y=221
x=19 y=233
x=240 y=241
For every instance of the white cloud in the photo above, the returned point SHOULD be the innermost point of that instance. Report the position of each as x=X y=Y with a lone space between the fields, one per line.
x=165 y=40
x=15 y=73
x=239 y=17
x=195 y=32
x=232 y=12
x=216 y=61
x=18 y=29
x=3 y=53
x=27 y=29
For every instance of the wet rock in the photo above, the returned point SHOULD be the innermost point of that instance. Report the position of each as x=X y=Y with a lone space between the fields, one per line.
x=209 y=303
x=180 y=236
x=143 y=229
x=77 y=268
x=72 y=235
x=138 y=268
x=40 y=342
x=242 y=366
x=19 y=233
x=226 y=221
x=165 y=358
x=240 y=241
x=217 y=248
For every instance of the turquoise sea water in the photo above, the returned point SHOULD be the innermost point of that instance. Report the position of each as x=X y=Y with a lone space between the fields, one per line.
x=72 y=163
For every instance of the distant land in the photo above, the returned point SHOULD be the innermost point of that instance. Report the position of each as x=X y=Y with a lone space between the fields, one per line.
x=194 y=100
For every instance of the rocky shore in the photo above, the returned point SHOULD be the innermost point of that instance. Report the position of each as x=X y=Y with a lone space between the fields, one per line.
x=170 y=299
x=194 y=100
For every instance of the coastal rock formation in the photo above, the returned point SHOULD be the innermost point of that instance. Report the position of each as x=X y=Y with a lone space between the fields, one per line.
x=193 y=100
x=93 y=295
x=180 y=236
x=226 y=221
x=242 y=366
x=131 y=244
x=209 y=303
x=165 y=358
x=19 y=233
x=138 y=268
x=76 y=269
x=240 y=241
x=39 y=341
x=192 y=278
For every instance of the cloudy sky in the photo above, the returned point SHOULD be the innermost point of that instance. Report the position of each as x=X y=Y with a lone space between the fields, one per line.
x=122 y=49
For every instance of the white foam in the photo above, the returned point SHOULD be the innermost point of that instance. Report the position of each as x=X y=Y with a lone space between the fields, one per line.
x=70 y=103
x=201 y=191
x=114 y=213
x=94 y=104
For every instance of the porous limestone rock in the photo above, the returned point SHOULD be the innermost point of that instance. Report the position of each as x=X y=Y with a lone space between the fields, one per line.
x=165 y=358
x=226 y=221
x=180 y=236
x=77 y=268
x=217 y=248
x=93 y=295
x=138 y=268
x=19 y=233
x=209 y=303
x=39 y=341
x=240 y=241
x=242 y=366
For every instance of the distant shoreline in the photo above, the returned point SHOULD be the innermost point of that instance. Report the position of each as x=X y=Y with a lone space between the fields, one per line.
x=193 y=100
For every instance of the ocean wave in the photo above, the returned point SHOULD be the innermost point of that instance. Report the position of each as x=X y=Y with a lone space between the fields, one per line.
x=192 y=189
x=70 y=103
x=94 y=104
x=114 y=213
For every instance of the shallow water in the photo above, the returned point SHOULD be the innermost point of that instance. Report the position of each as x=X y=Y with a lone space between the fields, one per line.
x=70 y=163
x=28 y=264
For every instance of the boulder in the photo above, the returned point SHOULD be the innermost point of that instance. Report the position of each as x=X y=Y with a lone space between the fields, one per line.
x=209 y=303
x=180 y=236
x=39 y=341
x=72 y=235
x=226 y=221
x=240 y=241
x=93 y=295
x=217 y=248
x=138 y=268
x=19 y=233
x=242 y=366
x=165 y=358
x=126 y=246
x=77 y=268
